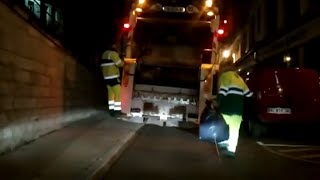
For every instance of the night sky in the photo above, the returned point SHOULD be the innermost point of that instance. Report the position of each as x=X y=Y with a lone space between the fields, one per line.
x=90 y=26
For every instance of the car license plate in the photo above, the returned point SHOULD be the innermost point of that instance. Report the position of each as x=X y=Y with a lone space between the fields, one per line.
x=279 y=110
x=174 y=9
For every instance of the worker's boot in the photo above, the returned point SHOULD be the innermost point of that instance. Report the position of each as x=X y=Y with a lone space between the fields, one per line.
x=120 y=115
x=112 y=113
x=223 y=145
x=228 y=154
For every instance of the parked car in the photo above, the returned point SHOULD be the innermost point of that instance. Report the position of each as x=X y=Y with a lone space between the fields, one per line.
x=281 y=96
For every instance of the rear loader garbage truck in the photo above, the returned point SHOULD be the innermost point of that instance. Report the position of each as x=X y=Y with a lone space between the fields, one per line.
x=169 y=47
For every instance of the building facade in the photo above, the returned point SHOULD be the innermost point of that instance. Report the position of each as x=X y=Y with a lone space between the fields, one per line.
x=277 y=33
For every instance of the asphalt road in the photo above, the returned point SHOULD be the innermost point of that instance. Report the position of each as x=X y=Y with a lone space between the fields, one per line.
x=171 y=153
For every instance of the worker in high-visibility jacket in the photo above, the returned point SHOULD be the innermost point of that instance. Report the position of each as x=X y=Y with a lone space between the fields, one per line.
x=110 y=64
x=232 y=91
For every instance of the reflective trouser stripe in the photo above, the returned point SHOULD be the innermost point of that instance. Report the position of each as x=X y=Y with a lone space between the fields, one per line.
x=114 y=95
x=111 y=77
x=111 y=105
x=117 y=106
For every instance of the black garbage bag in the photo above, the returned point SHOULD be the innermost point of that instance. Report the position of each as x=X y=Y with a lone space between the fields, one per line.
x=213 y=127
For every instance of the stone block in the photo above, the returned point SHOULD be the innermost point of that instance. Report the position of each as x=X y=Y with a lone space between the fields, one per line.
x=5 y=57
x=43 y=92
x=55 y=73
x=23 y=76
x=24 y=90
x=21 y=115
x=29 y=65
x=7 y=88
x=40 y=79
x=25 y=103
x=6 y=72
x=49 y=102
x=45 y=113
x=56 y=92
x=6 y=103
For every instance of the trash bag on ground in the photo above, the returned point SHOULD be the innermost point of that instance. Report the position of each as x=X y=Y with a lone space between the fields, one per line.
x=213 y=127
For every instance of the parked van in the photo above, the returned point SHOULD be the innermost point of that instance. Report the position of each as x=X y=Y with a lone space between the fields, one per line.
x=282 y=95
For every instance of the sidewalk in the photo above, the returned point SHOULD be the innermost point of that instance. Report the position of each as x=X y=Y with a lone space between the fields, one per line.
x=83 y=150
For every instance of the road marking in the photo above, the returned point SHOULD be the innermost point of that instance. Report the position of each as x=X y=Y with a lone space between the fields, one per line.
x=311 y=156
x=297 y=150
x=305 y=158
x=285 y=145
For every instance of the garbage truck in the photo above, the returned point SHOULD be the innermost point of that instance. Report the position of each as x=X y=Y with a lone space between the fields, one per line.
x=169 y=48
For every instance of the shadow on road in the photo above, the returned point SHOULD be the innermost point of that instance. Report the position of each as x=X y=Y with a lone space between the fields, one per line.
x=194 y=131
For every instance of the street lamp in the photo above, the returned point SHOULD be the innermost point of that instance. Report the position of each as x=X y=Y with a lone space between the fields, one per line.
x=138 y=10
x=209 y=3
x=126 y=25
x=226 y=53
x=287 y=58
x=210 y=13
x=141 y=1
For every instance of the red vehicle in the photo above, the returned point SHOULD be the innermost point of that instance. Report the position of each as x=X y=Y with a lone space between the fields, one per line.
x=282 y=95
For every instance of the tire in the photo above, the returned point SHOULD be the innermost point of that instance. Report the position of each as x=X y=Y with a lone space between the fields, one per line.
x=256 y=129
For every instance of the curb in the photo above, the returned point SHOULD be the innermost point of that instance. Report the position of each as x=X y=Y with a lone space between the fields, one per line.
x=104 y=167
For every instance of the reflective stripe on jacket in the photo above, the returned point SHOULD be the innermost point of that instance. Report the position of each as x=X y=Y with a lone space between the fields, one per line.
x=110 y=64
x=231 y=92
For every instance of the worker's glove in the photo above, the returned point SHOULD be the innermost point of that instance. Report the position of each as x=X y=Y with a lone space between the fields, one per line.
x=215 y=104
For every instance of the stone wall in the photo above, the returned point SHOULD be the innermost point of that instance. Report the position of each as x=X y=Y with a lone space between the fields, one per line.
x=42 y=87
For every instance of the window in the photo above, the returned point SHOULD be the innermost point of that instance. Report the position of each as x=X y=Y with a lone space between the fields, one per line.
x=272 y=16
x=258 y=20
x=252 y=33
x=314 y=7
x=310 y=54
x=244 y=42
x=292 y=12
x=34 y=6
x=31 y=5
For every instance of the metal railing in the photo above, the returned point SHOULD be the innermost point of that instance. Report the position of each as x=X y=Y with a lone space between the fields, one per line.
x=52 y=30
x=53 y=27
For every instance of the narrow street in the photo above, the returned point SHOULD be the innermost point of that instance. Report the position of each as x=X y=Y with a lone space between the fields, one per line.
x=171 y=153
x=71 y=70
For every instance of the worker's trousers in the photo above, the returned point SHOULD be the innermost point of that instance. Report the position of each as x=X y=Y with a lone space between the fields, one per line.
x=234 y=122
x=114 y=97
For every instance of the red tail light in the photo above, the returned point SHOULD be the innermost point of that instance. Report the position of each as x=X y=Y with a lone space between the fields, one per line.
x=126 y=26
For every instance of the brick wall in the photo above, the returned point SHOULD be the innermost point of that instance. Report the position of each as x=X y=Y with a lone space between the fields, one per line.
x=42 y=88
